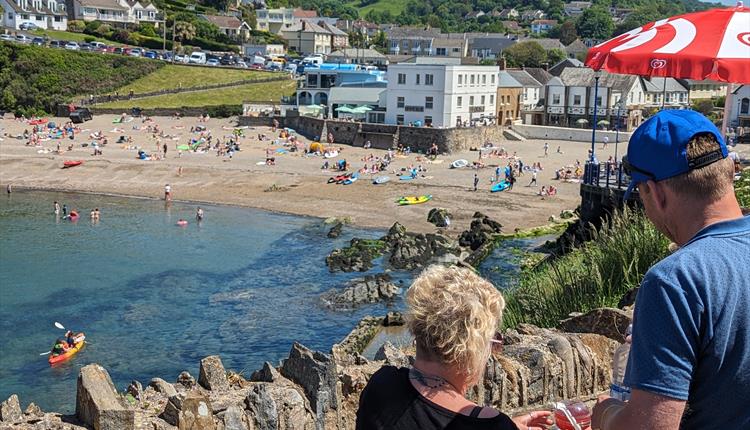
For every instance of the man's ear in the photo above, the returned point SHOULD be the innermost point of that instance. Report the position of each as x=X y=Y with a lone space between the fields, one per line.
x=657 y=193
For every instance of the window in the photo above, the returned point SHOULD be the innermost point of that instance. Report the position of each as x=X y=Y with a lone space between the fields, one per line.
x=428 y=102
x=459 y=101
x=312 y=81
x=492 y=79
x=492 y=99
x=24 y=16
x=440 y=51
x=484 y=79
x=471 y=100
x=745 y=105
x=399 y=102
x=10 y=16
x=417 y=78
x=460 y=80
x=598 y=100
x=58 y=19
x=428 y=79
x=400 y=119
x=456 y=50
x=472 y=79
x=428 y=120
x=458 y=121
x=402 y=79
x=577 y=99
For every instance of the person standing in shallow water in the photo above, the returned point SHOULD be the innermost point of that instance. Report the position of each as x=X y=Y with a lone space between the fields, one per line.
x=57 y=208
x=454 y=315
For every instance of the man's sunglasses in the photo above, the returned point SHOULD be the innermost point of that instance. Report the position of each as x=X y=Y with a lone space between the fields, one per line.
x=629 y=169
x=497 y=343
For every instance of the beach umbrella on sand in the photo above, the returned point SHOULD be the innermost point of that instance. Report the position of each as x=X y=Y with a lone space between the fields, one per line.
x=603 y=122
x=712 y=44
x=582 y=121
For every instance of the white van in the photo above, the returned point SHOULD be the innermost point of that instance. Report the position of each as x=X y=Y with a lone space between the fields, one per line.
x=313 y=60
x=197 y=58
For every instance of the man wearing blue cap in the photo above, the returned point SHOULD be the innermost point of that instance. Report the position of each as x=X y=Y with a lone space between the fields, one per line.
x=689 y=364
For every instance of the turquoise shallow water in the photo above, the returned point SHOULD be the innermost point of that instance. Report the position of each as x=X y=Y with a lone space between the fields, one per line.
x=154 y=298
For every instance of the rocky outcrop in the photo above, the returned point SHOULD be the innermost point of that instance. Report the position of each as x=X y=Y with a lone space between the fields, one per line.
x=266 y=374
x=10 y=410
x=393 y=356
x=97 y=402
x=316 y=373
x=414 y=250
x=393 y=318
x=191 y=411
x=370 y=289
x=438 y=216
x=609 y=322
x=481 y=230
x=212 y=375
x=277 y=407
x=357 y=257
x=161 y=386
x=335 y=231
x=186 y=379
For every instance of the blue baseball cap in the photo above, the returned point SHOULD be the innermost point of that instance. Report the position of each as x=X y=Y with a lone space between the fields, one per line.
x=658 y=148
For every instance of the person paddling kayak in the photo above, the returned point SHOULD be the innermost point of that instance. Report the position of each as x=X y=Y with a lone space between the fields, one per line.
x=59 y=347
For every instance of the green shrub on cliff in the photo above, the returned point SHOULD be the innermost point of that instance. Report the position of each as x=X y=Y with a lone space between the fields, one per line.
x=596 y=275
x=35 y=79
x=742 y=189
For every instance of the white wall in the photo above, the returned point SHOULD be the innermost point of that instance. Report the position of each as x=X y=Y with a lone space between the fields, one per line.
x=572 y=134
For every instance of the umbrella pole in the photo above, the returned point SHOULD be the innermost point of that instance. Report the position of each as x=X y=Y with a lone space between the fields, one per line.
x=664 y=93
x=727 y=106
x=593 y=128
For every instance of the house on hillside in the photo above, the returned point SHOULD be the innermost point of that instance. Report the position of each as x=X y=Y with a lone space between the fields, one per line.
x=410 y=40
x=576 y=8
x=570 y=100
x=706 y=89
x=357 y=56
x=508 y=14
x=275 y=20
x=474 y=14
x=117 y=13
x=539 y=26
x=656 y=88
x=489 y=48
x=231 y=26
x=366 y=28
x=512 y=26
x=45 y=14
x=530 y=15
x=339 y=38
x=307 y=37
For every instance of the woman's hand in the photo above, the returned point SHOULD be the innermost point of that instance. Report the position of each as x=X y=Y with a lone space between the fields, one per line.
x=537 y=420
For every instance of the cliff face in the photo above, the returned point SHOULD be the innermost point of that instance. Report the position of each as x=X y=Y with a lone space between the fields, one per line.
x=313 y=390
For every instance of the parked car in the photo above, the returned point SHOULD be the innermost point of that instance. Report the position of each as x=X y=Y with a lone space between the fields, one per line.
x=97 y=46
x=57 y=43
x=241 y=64
x=228 y=60
x=73 y=46
x=197 y=58
x=256 y=66
x=212 y=62
x=38 y=41
x=86 y=47
x=7 y=37
x=151 y=54
x=27 y=26
x=179 y=58
x=22 y=38
x=136 y=52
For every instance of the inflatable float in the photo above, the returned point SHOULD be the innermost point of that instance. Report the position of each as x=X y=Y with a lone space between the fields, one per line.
x=381 y=180
x=72 y=163
x=413 y=200
x=352 y=179
x=459 y=164
x=182 y=223
x=500 y=186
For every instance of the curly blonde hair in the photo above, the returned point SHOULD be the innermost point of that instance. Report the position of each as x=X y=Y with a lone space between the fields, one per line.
x=453 y=313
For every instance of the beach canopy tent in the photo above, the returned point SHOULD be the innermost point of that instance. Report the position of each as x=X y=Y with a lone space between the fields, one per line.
x=603 y=122
x=582 y=121
x=344 y=109
x=363 y=109
x=311 y=110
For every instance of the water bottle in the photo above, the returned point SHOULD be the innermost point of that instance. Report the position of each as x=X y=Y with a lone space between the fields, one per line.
x=618 y=390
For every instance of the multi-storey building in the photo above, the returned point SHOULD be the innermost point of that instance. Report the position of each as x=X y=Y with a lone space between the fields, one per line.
x=46 y=14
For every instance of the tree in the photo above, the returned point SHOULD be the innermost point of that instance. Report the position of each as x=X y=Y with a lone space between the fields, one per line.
x=567 y=33
x=595 y=23
x=184 y=31
x=556 y=55
x=380 y=41
x=555 y=9
x=704 y=106
x=528 y=54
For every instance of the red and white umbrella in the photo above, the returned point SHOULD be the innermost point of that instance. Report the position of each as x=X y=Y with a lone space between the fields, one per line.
x=713 y=44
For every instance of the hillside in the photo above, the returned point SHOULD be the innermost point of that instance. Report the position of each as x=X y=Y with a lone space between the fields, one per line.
x=174 y=76
x=35 y=79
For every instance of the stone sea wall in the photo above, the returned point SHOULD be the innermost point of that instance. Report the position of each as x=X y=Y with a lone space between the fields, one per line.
x=318 y=391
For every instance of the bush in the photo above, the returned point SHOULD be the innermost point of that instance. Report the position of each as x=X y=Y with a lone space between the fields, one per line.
x=147 y=30
x=122 y=36
x=89 y=39
x=76 y=26
x=104 y=30
x=92 y=26
x=224 y=111
x=153 y=43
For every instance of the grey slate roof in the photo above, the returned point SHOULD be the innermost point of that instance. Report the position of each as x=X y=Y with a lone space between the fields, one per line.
x=576 y=46
x=495 y=44
x=547 y=44
x=564 y=64
x=354 y=53
x=407 y=32
x=542 y=76
x=584 y=77
x=656 y=85
x=506 y=80
x=524 y=78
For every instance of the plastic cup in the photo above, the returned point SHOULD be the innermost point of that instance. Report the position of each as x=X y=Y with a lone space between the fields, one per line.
x=579 y=411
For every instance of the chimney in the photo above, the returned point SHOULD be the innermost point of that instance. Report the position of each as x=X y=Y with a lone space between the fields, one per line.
x=304 y=25
x=545 y=66
x=502 y=63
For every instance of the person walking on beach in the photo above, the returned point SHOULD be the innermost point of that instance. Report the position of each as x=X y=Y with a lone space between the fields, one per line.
x=476 y=181
x=64 y=209
x=546 y=148
x=689 y=364
x=164 y=147
x=605 y=142
x=167 y=192
x=533 y=178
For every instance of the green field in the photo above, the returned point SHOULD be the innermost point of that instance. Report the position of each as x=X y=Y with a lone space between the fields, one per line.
x=72 y=37
x=174 y=76
x=260 y=92
x=394 y=6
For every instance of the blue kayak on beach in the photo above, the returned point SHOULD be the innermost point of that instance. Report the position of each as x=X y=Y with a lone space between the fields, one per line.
x=352 y=179
x=500 y=186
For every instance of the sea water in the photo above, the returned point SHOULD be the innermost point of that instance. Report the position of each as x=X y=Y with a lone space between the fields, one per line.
x=154 y=298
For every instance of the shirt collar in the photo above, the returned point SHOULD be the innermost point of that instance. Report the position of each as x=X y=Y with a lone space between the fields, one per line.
x=729 y=227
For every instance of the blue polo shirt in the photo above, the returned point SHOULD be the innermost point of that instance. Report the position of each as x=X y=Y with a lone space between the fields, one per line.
x=691 y=328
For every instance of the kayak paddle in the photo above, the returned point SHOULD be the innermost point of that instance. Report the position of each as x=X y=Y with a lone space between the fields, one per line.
x=60 y=326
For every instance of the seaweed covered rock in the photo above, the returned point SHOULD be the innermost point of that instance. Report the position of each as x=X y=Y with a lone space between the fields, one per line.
x=357 y=257
x=438 y=216
x=370 y=289
x=413 y=250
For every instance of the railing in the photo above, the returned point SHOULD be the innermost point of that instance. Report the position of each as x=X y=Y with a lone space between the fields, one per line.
x=605 y=175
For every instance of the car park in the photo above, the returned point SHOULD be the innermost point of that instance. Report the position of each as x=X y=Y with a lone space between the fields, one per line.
x=241 y=64
x=73 y=46
x=151 y=54
x=197 y=58
x=27 y=26
x=57 y=43
x=86 y=47
x=179 y=58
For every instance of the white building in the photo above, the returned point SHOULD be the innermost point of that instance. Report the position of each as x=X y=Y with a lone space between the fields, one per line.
x=276 y=20
x=45 y=14
x=739 y=110
x=439 y=92
x=656 y=88
x=114 y=12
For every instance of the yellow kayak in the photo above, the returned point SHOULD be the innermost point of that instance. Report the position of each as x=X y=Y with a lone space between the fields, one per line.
x=413 y=200
x=80 y=340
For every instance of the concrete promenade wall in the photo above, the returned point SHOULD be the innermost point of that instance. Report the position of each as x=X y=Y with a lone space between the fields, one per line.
x=563 y=133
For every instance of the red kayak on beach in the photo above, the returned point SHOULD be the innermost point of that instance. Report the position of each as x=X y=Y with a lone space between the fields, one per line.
x=72 y=163
x=38 y=121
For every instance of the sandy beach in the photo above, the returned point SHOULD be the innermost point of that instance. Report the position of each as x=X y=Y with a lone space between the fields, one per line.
x=296 y=184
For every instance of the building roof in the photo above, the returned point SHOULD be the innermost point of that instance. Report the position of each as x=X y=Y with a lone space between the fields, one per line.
x=555 y=82
x=442 y=61
x=542 y=76
x=564 y=64
x=506 y=80
x=333 y=29
x=511 y=25
x=354 y=53
x=584 y=77
x=446 y=42
x=547 y=44
x=223 y=21
x=703 y=82
x=355 y=95
x=104 y=4
x=656 y=85
x=576 y=46
x=524 y=78
x=475 y=14
x=43 y=10
x=495 y=44
x=301 y=13
x=306 y=26
x=398 y=58
x=412 y=32
x=544 y=21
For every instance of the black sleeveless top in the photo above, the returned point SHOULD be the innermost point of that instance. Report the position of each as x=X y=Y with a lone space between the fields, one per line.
x=390 y=401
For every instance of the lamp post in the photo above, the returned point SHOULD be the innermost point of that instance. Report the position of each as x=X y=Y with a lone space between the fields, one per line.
x=597 y=75
x=620 y=104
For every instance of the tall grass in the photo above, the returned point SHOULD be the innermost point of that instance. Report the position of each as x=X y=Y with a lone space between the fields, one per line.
x=742 y=189
x=597 y=274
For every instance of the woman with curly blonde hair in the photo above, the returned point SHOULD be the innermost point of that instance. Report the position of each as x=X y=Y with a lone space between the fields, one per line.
x=454 y=315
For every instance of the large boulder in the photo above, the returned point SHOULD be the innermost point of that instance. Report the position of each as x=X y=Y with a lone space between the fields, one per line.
x=97 y=403
x=414 y=250
x=357 y=257
x=316 y=373
x=370 y=289
x=438 y=216
x=10 y=410
x=335 y=231
x=393 y=356
x=235 y=418
x=273 y=407
x=609 y=322
x=190 y=411
x=480 y=231
x=266 y=374
x=212 y=375
x=161 y=386
x=393 y=318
